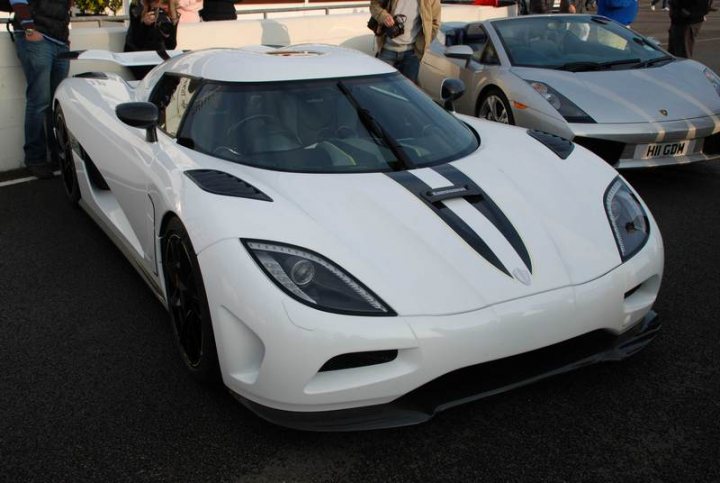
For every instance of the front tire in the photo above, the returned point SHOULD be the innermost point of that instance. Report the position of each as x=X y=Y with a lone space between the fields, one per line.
x=64 y=155
x=187 y=303
x=494 y=106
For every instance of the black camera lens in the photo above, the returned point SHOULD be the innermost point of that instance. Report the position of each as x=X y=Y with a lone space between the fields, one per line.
x=163 y=22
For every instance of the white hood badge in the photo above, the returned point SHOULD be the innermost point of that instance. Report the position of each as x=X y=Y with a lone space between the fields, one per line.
x=522 y=275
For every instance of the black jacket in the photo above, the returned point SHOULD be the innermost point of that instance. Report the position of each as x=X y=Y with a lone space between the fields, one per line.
x=51 y=17
x=218 y=10
x=688 y=11
x=148 y=37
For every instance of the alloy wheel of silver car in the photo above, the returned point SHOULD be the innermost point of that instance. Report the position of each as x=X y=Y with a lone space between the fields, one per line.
x=495 y=107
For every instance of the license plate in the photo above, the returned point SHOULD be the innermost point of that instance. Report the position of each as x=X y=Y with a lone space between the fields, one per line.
x=650 y=151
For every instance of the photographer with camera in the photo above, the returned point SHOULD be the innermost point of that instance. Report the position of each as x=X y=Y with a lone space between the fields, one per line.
x=406 y=28
x=153 y=26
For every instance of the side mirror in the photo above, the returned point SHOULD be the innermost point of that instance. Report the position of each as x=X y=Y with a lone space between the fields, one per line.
x=144 y=115
x=462 y=52
x=451 y=90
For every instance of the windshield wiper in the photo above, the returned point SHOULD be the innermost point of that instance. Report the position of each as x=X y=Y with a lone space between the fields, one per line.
x=590 y=66
x=580 y=66
x=376 y=129
x=651 y=62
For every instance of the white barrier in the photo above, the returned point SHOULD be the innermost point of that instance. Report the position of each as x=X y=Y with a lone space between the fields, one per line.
x=346 y=29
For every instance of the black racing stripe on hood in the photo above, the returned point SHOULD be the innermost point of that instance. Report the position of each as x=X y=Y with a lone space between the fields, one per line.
x=418 y=188
x=485 y=205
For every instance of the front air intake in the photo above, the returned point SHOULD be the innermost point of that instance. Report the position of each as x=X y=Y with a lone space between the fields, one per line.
x=358 y=359
x=610 y=151
x=712 y=144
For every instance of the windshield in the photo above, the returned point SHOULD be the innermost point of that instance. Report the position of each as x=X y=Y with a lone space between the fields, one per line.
x=376 y=123
x=576 y=43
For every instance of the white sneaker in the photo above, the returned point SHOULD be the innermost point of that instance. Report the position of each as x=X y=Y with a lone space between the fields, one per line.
x=652 y=7
x=666 y=9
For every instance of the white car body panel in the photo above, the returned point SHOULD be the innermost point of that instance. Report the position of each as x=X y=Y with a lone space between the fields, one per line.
x=454 y=308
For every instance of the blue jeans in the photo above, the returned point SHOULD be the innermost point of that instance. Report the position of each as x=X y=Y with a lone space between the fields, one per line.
x=406 y=62
x=43 y=72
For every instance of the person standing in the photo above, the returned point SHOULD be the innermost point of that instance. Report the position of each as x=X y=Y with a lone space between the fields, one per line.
x=43 y=27
x=686 y=18
x=622 y=11
x=403 y=48
x=153 y=26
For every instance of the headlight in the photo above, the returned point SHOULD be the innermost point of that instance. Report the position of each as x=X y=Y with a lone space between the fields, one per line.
x=627 y=217
x=564 y=106
x=314 y=280
x=713 y=78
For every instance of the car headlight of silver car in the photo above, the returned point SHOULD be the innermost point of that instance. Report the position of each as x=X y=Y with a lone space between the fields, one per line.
x=312 y=279
x=564 y=106
x=627 y=217
x=713 y=78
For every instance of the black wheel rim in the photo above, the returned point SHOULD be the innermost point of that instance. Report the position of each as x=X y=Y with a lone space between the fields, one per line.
x=65 y=155
x=183 y=299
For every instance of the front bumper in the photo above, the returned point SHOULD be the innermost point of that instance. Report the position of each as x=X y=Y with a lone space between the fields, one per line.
x=274 y=352
x=616 y=143
x=471 y=383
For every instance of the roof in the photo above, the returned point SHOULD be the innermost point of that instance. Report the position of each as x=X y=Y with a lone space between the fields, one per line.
x=267 y=64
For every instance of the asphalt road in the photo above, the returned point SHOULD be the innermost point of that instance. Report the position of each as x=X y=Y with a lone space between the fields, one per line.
x=91 y=387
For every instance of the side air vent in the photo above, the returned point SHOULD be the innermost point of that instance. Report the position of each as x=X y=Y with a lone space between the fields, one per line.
x=92 y=75
x=96 y=178
x=558 y=145
x=220 y=183
x=358 y=359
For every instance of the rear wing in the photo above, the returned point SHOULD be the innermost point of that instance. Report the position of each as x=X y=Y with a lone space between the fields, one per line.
x=125 y=59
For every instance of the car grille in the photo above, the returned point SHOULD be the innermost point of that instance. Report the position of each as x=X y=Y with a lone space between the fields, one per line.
x=610 y=151
x=712 y=144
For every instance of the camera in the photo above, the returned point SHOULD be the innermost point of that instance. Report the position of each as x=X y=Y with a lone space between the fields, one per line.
x=163 y=22
x=398 y=28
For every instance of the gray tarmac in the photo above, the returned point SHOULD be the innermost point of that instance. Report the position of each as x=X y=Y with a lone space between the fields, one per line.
x=91 y=387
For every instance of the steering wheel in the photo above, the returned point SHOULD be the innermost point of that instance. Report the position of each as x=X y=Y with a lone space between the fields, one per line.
x=255 y=117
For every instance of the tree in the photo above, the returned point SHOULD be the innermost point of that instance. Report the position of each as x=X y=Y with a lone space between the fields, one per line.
x=92 y=7
x=115 y=5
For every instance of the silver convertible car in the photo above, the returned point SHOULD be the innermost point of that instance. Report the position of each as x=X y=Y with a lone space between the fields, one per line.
x=585 y=78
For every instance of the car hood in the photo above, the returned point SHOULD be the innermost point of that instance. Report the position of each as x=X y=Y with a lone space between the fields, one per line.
x=376 y=227
x=678 y=90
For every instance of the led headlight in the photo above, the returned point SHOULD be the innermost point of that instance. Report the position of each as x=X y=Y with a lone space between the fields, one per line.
x=713 y=78
x=627 y=217
x=314 y=280
x=564 y=106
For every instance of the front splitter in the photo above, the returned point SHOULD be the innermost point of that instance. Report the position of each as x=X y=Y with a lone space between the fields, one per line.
x=471 y=383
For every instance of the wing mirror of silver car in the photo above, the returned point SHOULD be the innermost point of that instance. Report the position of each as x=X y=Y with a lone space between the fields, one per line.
x=451 y=90
x=144 y=115
x=461 y=52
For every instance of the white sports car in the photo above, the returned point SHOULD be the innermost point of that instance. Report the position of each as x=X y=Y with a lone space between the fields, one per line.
x=343 y=252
